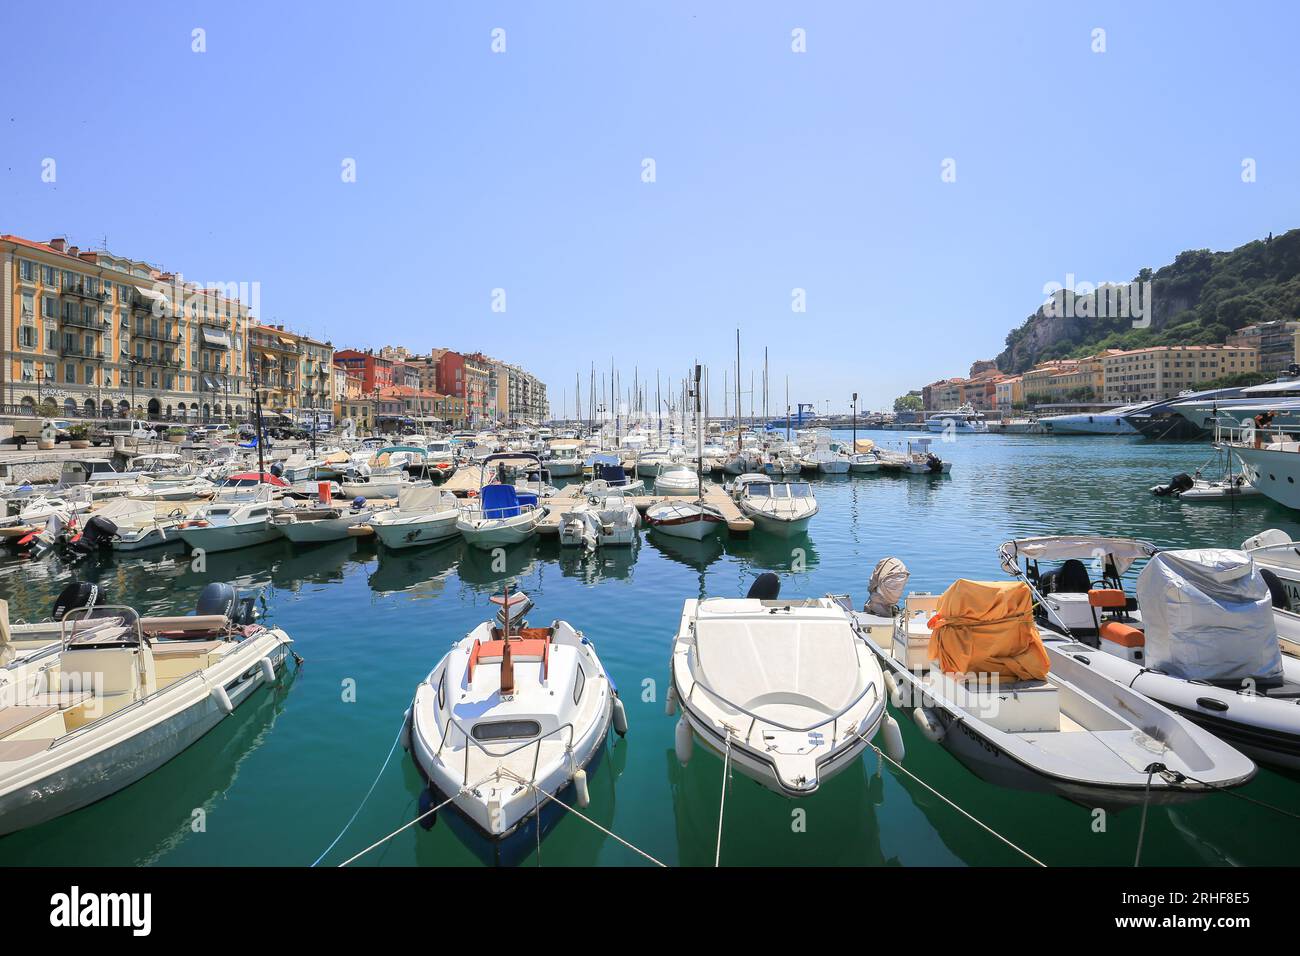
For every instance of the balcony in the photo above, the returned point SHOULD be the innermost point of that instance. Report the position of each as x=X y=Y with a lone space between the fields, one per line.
x=159 y=362
x=81 y=322
x=80 y=291
x=160 y=336
x=78 y=351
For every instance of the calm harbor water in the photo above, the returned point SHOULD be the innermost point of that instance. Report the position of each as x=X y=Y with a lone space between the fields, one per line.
x=279 y=779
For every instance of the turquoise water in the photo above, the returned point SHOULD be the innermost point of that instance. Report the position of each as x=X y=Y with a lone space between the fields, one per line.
x=278 y=780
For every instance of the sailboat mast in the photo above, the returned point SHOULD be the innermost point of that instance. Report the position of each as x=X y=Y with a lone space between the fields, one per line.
x=737 y=391
x=699 y=439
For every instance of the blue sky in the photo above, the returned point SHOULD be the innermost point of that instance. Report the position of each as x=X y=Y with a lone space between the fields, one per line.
x=774 y=170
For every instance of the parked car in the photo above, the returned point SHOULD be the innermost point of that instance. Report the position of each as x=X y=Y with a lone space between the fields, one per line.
x=105 y=432
x=34 y=429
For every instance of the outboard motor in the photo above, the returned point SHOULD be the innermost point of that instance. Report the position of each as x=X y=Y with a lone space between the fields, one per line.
x=1281 y=600
x=766 y=587
x=885 y=589
x=77 y=594
x=1177 y=485
x=217 y=598
x=277 y=470
x=934 y=463
x=358 y=502
x=97 y=535
x=1070 y=578
x=221 y=598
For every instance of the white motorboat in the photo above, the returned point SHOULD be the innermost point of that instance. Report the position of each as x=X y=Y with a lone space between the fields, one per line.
x=500 y=515
x=608 y=477
x=565 y=461
x=1272 y=466
x=1033 y=714
x=1110 y=422
x=1216 y=480
x=964 y=419
x=787 y=691
x=1201 y=636
x=677 y=478
x=601 y=521
x=424 y=514
x=827 y=457
x=512 y=716
x=864 y=464
x=141 y=523
x=235 y=519
x=781 y=508
x=322 y=520
x=648 y=462
x=918 y=460
x=121 y=696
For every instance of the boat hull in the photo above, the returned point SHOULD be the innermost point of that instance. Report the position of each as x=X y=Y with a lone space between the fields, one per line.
x=412 y=534
x=497 y=533
x=214 y=538
x=96 y=766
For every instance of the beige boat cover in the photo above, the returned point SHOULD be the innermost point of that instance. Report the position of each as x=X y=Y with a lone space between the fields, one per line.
x=987 y=627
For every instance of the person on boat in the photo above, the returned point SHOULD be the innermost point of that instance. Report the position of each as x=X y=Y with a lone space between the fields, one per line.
x=1262 y=421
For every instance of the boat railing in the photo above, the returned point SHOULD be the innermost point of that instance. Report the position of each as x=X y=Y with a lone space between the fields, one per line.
x=470 y=741
x=1244 y=435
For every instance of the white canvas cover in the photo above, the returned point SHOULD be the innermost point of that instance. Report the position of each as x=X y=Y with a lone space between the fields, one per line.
x=419 y=498
x=1085 y=547
x=885 y=589
x=1208 y=615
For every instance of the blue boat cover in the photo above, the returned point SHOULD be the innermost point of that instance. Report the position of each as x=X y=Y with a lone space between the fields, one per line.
x=500 y=501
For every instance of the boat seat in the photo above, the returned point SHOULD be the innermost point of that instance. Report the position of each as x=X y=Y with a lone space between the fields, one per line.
x=18 y=716
x=525 y=649
x=1108 y=598
x=169 y=649
x=1125 y=635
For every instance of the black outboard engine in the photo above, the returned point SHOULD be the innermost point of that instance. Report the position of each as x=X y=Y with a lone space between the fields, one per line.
x=1177 y=485
x=77 y=594
x=766 y=587
x=1281 y=600
x=934 y=463
x=1070 y=578
x=96 y=536
x=221 y=598
x=277 y=469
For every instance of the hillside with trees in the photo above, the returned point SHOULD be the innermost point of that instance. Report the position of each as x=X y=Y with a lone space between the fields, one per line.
x=1198 y=299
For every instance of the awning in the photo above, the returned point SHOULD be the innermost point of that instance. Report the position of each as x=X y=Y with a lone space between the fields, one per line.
x=1122 y=551
x=287 y=343
x=210 y=383
x=217 y=338
x=154 y=295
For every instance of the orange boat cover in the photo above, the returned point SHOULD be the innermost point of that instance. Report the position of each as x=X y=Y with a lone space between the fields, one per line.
x=987 y=627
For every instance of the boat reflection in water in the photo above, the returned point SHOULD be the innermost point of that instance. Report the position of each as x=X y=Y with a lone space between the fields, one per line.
x=421 y=573
x=603 y=564
x=487 y=569
x=696 y=555
x=838 y=826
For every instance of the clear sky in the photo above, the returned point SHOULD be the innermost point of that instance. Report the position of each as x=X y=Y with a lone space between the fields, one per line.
x=773 y=170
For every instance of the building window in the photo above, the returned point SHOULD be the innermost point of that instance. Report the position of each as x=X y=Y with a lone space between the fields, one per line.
x=70 y=374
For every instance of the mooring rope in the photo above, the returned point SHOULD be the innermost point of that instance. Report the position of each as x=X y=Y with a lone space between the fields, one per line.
x=1142 y=827
x=374 y=783
x=581 y=816
x=411 y=823
x=1025 y=853
x=726 y=764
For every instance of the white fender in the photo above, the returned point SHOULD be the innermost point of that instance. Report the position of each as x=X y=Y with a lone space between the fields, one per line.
x=670 y=705
x=928 y=724
x=893 y=739
x=580 y=784
x=406 y=730
x=268 y=670
x=219 y=694
x=683 y=741
x=620 y=717
x=895 y=694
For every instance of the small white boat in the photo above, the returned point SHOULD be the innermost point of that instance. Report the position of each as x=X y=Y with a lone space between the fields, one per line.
x=500 y=516
x=781 y=508
x=684 y=519
x=788 y=691
x=677 y=478
x=141 y=523
x=827 y=457
x=864 y=464
x=565 y=461
x=424 y=515
x=608 y=477
x=234 y=519
x=511 y=715
x=1063 y=728
x=964 y=419
x=321 y=521
x=156 y=686
x=1202 y=637
x=602 y=521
